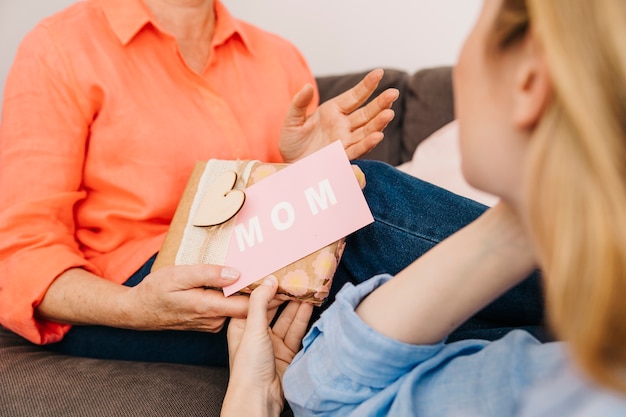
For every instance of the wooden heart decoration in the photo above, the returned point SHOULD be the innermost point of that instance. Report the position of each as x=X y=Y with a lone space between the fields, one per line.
x=220 y=202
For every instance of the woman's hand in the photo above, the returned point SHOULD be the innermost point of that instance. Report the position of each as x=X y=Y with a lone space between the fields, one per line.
x=359 y=129
x=259 y=355
x=178 y=298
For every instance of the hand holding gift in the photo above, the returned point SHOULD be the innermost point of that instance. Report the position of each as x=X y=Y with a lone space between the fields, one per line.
x=291 y=225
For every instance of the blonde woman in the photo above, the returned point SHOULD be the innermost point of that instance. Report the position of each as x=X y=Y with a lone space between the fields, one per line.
x=540 y=90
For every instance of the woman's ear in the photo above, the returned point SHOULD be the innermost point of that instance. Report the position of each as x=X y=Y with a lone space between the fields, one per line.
x=533 y=86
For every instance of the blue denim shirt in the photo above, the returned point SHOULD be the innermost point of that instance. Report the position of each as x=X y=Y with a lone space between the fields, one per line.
x=347 y=369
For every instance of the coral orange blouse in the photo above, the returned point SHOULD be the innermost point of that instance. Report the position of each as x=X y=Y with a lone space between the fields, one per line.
x=102 y=123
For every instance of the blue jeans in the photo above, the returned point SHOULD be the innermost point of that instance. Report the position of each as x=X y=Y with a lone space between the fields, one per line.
x=411 y=216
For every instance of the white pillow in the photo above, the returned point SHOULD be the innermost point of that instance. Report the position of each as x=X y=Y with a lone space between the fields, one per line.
x=437 y=160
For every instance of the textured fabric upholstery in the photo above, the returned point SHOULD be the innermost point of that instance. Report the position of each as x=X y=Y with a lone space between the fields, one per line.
x=428 y=106
x=36 y=382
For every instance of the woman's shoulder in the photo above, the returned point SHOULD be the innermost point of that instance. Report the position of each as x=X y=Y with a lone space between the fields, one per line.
x=74 y=17
x=83 y=20
x=279 y=52
x=570 y=394
x=260 y=37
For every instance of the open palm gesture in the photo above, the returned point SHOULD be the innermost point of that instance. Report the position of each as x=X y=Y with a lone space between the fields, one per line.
x=341 y=118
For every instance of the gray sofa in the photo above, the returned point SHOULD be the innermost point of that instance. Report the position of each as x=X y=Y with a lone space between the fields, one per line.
x=36 y=382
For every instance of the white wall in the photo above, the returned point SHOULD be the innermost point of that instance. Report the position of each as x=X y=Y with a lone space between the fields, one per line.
x=334 y=35
x=345 y=35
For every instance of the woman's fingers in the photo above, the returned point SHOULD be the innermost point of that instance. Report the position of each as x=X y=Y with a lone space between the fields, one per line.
x=298 y=327
x=297 y=112
x=259 y=303
x=379 y=108
x=353 y=98
x=200 y=276
x=292 y=324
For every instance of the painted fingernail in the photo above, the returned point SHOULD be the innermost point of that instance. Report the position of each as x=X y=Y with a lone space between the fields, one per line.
x=270 y=281
x=229 y=273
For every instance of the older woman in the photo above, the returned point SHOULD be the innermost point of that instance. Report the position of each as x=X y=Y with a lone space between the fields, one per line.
x=107 y=107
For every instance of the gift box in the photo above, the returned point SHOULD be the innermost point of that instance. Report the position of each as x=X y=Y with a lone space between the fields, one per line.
x=192 y=239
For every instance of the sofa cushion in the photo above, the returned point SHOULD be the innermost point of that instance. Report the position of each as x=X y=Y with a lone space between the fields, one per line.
x=389 y=149
x=437 y=160
x=428 y=104
x=36 y=382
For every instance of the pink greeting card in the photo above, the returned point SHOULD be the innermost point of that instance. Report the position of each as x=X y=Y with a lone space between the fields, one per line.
x=294 y=212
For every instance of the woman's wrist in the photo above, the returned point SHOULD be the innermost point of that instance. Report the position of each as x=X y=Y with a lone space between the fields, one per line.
x=79 y=297
x=248 y=400
x=506 y=235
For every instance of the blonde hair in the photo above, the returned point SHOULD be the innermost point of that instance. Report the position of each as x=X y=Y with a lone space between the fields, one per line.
x=576 y=190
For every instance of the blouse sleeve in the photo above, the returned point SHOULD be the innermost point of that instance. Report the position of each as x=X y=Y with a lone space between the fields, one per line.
x=43 y=137
x=347 y=368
